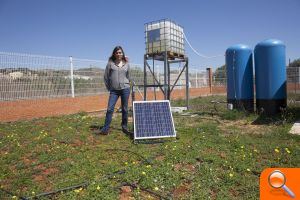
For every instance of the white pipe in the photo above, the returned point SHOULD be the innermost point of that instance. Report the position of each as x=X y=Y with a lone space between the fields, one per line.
x=199 y=54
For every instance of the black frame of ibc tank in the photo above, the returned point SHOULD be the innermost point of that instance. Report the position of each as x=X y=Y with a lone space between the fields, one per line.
x=166 y=87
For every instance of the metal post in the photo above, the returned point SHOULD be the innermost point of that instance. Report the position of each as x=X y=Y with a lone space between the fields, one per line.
x=196 y=79
x=72 y=77
x=209 y=71
x=145 y=78
x=169 y=81
x=165 y=75
x=154 y=83
x=180 y=82
x=187 y=83
x=158 y=75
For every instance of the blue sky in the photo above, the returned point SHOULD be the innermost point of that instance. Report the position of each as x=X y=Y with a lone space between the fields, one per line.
x=90 y=29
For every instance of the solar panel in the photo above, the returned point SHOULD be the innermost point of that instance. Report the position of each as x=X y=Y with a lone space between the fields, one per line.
x=153 y=119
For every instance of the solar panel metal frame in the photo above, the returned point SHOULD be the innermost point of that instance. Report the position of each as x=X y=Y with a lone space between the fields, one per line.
x=152 y=137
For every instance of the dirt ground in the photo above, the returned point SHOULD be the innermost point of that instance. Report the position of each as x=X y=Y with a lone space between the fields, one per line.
x=37 y=108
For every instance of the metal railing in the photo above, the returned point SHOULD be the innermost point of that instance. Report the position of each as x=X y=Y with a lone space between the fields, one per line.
x=26 y=76
x=292 y=80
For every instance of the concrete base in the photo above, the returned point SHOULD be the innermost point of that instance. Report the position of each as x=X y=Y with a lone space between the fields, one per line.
x=178 y=109
x=242 y=104
x=295 y=128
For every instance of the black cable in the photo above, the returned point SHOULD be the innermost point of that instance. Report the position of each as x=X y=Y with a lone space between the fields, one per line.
x=85 y=184
x=12 y=194
x=82 y=185
x=114 y=173
x=135 y=186
x=215 y=104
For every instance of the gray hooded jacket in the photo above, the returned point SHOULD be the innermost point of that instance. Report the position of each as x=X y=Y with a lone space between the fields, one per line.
x=116 y=78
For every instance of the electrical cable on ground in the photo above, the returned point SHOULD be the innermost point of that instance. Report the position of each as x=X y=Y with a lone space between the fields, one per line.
x=135 y=186
x=43 y=194
x=12 y=194
x=87 y=183
x=82 y=185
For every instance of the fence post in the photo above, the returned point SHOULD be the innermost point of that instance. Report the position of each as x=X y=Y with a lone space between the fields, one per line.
x=209 y=71
x=196 y=78
x=72 y=77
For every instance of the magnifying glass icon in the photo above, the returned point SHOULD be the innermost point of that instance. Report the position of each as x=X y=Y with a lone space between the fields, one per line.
x=277 y=180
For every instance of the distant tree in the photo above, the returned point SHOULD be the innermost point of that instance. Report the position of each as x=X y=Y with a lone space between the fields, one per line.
x=220 y=76
x=295 y=63
x=137 y=75
x=220 y=72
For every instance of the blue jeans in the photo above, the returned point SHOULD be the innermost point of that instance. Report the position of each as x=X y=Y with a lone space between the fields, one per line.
x=113 y=98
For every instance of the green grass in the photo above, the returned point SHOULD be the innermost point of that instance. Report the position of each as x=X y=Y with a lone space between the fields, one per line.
x=219 y=154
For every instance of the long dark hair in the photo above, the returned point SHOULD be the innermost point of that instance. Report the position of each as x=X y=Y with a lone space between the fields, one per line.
x=113 y=58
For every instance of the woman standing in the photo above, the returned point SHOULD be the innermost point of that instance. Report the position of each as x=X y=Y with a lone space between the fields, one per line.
x=116 y=80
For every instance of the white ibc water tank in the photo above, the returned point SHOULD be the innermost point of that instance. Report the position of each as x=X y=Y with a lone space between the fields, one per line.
x=164 y=35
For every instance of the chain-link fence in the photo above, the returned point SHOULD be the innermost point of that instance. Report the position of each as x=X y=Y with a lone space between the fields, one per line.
x=25 y=76
x=197 y=77
x=293 y=81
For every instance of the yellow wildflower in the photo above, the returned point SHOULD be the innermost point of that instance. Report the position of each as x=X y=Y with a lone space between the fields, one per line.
x=276 y=150
x=287 y=150
x=156 y=188
x=78 y=190
x=98 y=187
x=231 y=175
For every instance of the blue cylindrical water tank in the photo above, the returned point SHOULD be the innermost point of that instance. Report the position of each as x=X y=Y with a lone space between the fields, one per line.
x=270 y=76
x=239 y=62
